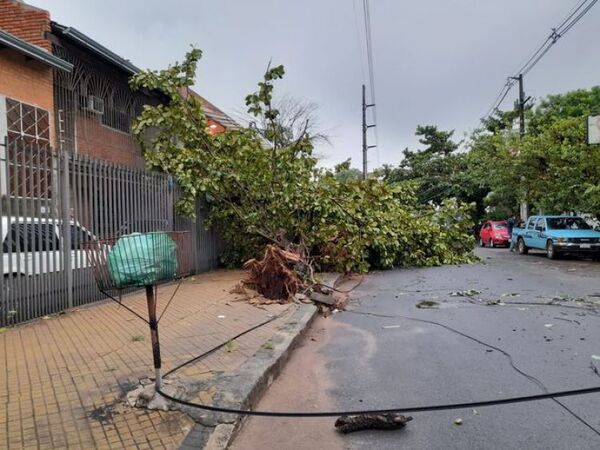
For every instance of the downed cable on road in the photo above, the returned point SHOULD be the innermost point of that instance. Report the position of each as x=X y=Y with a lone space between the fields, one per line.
x=529 y=377
x=409 y=409
x=400 y=410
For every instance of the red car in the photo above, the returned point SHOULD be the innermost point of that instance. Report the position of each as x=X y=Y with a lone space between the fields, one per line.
x=494 y=233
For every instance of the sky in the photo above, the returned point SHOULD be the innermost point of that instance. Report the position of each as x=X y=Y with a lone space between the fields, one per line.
x=439 y=62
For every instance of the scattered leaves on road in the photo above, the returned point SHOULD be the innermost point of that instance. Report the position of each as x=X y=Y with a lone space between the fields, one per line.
x=427 y=304
x=467 y=293
x=496 y=302
x=230 y=346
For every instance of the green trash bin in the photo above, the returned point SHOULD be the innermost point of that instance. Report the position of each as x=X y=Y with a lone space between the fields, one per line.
x=141 y=259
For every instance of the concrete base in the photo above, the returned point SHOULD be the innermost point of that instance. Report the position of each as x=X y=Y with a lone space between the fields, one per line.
x=145 y=396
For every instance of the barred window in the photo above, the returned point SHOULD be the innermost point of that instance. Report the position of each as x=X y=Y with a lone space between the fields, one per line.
x=28 y=153
x=27 y=123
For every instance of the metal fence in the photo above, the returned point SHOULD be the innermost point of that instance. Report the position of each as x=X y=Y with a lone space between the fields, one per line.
x=52 y=203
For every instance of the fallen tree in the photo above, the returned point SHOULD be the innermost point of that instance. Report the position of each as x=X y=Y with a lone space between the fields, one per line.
x=265 y=191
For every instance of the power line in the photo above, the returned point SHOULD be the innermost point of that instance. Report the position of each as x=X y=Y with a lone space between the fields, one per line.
x=371 y=73
x=583 y=13
x=575 y=10
x=571 y=14
x=359 y=41
x=369 y=41
x=558 y=32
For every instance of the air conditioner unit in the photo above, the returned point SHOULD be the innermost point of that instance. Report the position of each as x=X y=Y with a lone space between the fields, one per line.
x=95 y=104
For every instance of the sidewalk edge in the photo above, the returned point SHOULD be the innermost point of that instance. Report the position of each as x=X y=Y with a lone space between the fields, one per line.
x=244 y=388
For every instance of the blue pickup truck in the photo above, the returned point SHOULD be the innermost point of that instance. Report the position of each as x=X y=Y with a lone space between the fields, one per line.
x=557 y=235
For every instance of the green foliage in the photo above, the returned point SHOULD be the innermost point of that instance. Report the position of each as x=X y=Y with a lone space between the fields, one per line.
x=491 y=164
x=262 y=187
x=552 y=168
x=575 y=104
x=439 y=171
x=344 y=172
x=561 y=172
x=374 y=224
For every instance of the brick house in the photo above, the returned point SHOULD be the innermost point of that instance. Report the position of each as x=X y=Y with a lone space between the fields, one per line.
x=59 y=87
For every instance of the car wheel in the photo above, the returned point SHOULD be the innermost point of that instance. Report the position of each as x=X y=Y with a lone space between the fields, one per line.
x=522 y=247
x=550 y=251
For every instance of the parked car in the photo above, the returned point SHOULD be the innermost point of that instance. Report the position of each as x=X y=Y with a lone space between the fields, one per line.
x=494 y=233
x=32 y=246
x=557 y=235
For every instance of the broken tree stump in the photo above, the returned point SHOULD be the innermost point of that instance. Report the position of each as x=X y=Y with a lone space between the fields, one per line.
x=274 y=276
x=389 y=421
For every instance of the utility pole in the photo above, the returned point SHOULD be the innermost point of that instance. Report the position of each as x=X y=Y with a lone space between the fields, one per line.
x=365 y=127
x=524 y=213
x=521 y=107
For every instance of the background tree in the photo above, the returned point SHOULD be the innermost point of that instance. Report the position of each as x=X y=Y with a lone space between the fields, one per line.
x=552 y=167
x=574 y=104
x=439 y=170
x=345 y=172
x=296 y=118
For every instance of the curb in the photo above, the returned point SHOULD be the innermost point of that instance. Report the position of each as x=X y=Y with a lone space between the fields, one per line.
x=244 y=388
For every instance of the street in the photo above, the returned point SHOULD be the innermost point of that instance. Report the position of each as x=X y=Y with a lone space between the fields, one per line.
x=369 y=358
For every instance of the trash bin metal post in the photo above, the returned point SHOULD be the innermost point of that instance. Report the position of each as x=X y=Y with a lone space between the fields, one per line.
x=151 y=299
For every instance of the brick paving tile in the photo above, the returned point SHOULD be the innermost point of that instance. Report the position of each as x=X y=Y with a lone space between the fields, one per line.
x=62 y=379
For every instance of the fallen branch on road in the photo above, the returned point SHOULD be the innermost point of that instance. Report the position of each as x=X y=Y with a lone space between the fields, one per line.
x=390 y=421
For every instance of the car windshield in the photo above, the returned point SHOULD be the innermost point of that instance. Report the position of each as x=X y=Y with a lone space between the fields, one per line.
x=500 y=226
x=567 y=223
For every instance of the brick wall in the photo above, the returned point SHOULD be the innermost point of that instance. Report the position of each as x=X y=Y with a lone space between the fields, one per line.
x=102 y=142
x=27 y=81
x=23 y=79
x=26 y=22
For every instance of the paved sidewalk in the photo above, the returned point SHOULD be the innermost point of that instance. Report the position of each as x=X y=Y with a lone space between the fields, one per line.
x=63 y=379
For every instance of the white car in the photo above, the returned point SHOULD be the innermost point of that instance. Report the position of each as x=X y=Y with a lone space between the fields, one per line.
x=31 y=246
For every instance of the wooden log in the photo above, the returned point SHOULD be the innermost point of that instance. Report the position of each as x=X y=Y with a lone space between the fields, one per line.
x=322 y=298
x=389 y=421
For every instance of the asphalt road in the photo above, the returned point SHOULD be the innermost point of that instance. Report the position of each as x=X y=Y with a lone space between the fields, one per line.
x=366 y=361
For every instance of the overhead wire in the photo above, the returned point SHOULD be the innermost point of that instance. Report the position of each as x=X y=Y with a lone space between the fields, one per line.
x=580 y=10
x=359 y=41
x=578 y=18
x=573 y=12
x=371 y=72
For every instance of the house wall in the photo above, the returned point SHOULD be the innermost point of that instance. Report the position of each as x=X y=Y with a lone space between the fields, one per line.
x=105 y=143
x=17 y=77
x=214 y=127
x=26 y=22
x=102 y=136
x=23 y=79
